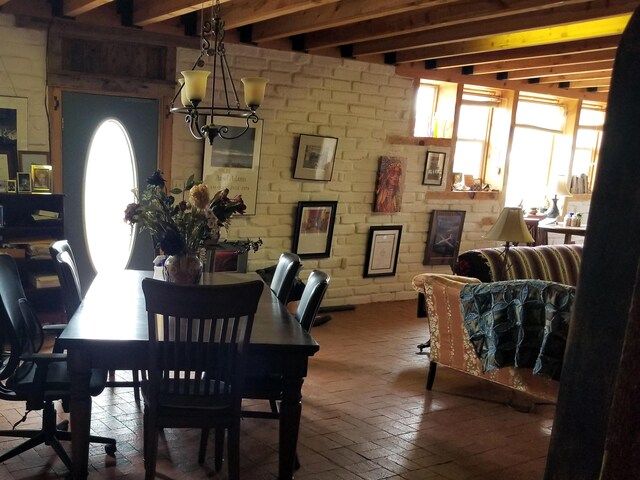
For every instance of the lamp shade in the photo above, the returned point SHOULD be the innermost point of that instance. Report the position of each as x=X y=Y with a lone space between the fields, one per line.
x=183 y=93
x=254 y=88
x=510 y=227
x=195 y=85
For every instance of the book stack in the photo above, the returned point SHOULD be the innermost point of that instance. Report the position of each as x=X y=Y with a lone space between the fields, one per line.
x=40 y=215
x=580 y=184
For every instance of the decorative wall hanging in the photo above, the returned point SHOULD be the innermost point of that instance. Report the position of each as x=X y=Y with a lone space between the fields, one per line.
x=389 y=186
x=434 y=167
x=235 y=163
x=445 y=234
x=382 y=251
x=13 y=134
x=314 y=229
x=315 y=159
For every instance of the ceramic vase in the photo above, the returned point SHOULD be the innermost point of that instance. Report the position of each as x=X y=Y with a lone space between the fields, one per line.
x=185 y=269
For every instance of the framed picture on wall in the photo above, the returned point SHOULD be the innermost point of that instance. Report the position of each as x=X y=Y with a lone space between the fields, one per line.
x=390 y=184
x=13 y=134
x=315 y=159
x=434 y=167
x=234 y=163
x=445 y=234
x=382 y=251
x=27 y=159
x=42 y=178
x=24 y=182
x=314 y=229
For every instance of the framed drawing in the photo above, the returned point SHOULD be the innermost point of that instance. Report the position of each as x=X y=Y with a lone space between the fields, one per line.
x=13 y=133
x=24 y=182
x=234 y=164
x=315 y=159
x=314 y=229
x=389 y=187
x=27 y=159
x=42 y=178
x=445 y=234
x=11 y=186
x=382 y=251
x=434 y=167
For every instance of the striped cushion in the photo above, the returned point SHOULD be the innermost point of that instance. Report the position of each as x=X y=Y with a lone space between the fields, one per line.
x=554 y=263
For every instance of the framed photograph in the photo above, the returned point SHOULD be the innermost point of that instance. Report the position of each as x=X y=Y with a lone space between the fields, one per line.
x=24 y=182
x=42 y=178
x=315 y=159
x=8 y=164
x=27 y=159
x=11 y=186
x=382 y=251
x=434 y=167
x=445 y=234
x=13 y=134
x=3 y=186
x=234 y=164
x=314 y=229
x=389 y=187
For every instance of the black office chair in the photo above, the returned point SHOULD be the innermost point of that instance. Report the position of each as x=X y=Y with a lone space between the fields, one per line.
x=26 y=375
x=271 y=388
x=284 y=276
x=198 y=336
x=67 y=271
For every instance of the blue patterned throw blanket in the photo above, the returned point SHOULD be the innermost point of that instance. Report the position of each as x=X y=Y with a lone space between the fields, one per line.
x=519 y=323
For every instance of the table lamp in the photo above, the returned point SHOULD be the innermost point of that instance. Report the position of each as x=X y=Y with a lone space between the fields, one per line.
x=509 y=228
x=563 y=191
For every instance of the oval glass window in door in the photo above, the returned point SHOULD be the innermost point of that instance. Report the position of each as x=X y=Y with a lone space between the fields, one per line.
x=110 y=177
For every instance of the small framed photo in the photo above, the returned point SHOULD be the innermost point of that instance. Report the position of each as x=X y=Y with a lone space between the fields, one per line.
x=3 y=186
x=315 y=159
x=24 y=182
x=42 y=178
x=434 y=167
x=314 y=229
x=11 y=186
x=382 y=251
x=445 y=235
x=27 y=159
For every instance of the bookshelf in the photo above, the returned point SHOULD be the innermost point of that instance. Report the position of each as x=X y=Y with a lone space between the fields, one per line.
x=28 y=240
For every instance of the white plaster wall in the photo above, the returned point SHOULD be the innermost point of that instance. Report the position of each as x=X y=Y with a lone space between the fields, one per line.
x=23 y=74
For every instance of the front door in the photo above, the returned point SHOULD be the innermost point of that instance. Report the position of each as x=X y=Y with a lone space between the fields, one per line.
x=109 y=145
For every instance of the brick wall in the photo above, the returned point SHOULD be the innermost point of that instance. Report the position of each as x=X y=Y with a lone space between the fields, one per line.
x=361 y=104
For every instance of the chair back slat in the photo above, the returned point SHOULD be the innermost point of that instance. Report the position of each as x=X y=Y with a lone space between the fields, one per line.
x=196 y=337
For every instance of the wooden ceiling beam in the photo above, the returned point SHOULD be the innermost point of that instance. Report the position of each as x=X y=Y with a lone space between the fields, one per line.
x=73 y=8
x=514 y=54
x=561 y=70
x=244 y=12
x=339 y=14
x=424 y=19
x=523 y=30
x=146 y=12
x=549 y=61
x=596 y=76
x=599 y=83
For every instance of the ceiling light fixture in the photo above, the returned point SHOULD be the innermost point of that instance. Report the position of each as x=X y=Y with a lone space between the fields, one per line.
x=193 y=88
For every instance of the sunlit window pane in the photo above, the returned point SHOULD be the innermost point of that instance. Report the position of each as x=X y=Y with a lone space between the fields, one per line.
x=469 y=157
x=110 y=176
x=591 y=118
x=541 y=115
x=425 y=107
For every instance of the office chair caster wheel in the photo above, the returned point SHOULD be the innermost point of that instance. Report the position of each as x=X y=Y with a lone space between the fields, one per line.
x=110 y=450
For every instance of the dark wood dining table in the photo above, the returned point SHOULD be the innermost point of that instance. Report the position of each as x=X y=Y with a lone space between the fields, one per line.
x=109 y=330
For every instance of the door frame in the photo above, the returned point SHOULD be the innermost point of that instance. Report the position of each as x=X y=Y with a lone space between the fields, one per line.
x=165 y=127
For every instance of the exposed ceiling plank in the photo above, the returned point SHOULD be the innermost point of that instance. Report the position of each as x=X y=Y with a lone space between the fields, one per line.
x=73 y=8
x=564 y=69
x=590 y=83
x=146 y=12
x=589 y=45
x=520 y=30
x=542 y=36
x=592 y=76
x=336 y=15
x=549 y=61
x=244 y=12
x=419 y=20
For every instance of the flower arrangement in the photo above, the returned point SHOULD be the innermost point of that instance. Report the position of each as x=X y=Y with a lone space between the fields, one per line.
x=183 y=227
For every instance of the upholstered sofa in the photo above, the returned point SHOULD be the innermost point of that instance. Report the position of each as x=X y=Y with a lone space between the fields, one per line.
x=439 y=299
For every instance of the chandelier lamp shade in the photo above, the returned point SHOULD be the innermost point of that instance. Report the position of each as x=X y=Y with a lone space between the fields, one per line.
x=193 y=88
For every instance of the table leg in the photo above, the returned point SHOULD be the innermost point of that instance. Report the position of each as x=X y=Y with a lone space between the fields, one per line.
x=80 y=411
x=290 y=411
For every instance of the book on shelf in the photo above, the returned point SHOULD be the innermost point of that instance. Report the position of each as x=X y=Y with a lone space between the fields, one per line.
x=41 y=280
x=44 y=218
x=47 y=213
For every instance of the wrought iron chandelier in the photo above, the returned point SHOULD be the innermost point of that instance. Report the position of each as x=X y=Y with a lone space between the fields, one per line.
x=193 y=87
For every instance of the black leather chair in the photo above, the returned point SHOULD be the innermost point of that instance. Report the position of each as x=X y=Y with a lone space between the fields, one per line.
x=284 y=276
x=26 y=375
x=197 y=343
x=67 y=271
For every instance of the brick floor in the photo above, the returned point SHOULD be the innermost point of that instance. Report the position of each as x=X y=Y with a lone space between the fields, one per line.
x=366 y=415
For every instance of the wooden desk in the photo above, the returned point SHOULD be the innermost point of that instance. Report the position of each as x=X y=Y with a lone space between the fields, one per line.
x=109 y=330
x=543 y=229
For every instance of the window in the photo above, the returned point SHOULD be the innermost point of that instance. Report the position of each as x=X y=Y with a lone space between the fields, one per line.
x=425 y=109
x=474 y=129
x=587 y=148
x=539 y=122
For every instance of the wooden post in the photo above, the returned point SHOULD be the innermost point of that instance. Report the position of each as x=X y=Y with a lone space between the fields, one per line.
x=606 y=284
